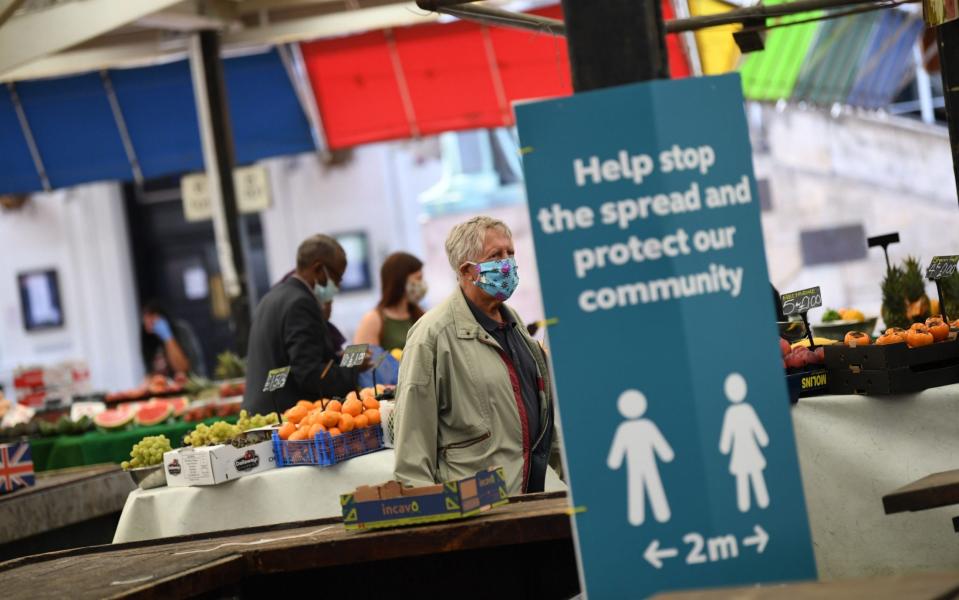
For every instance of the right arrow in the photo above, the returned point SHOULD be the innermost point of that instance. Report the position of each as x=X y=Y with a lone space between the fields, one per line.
x=653 y=554
x=759 y=540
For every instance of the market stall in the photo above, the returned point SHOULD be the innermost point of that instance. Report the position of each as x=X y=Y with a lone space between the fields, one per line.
x=68 y=430
x=267 y=498
x=847 y=466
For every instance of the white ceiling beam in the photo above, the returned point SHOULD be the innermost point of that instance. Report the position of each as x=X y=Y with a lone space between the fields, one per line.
x=191 y=16
x=7 y=8
x=37 y=34
x=180 y=21
x=157 y=50
x=336 y=24
x=252 y=6
x=99 y=58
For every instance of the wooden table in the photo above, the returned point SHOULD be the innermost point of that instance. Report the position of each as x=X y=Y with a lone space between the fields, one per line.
x=524 y=549
x=916 y=586
x=932 y=491
x=62 y=498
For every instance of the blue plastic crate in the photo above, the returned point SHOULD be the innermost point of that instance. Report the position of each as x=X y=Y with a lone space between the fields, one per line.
x=325 y=450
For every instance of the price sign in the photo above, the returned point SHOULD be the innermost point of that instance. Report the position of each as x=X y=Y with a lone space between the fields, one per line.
x=796 y=303
x=354 y=355
x=276 y=379
x=942 y=267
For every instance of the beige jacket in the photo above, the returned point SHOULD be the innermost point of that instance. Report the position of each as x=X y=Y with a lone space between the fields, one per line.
x=457 y=410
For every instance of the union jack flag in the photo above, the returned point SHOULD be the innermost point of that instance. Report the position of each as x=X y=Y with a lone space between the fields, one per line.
x=16 y=468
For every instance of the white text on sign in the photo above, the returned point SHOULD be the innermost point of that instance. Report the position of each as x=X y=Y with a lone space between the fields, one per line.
x=639 y=166
x=703 y=550
x=623 y=213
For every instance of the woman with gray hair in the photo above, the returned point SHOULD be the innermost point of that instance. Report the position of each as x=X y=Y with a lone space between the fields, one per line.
x=474 y=390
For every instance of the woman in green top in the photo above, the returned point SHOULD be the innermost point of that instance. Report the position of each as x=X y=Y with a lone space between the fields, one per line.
x=403 y=287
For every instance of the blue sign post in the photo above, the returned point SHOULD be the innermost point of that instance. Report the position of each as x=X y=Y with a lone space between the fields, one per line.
x=672 y=397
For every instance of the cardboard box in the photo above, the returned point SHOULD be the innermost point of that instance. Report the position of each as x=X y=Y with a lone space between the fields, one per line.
x=392 y=505
x=212 y=465
x=16 y=467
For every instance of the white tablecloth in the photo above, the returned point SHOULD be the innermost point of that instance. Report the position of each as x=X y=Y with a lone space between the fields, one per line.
x=278 y=496
x=855 y=449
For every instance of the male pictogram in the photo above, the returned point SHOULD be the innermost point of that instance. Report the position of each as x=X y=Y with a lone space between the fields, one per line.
x=640 y=442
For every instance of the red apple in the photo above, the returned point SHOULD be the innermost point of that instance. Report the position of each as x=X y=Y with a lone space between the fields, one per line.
x=796 y=359
x=784 y=346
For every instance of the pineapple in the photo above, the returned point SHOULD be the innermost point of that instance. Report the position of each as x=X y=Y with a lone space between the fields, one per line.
x=904 y=299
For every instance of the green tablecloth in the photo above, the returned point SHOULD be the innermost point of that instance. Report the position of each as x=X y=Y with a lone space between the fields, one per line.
x=98 y=447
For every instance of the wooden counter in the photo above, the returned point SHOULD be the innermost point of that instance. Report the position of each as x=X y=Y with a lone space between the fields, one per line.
x=62 y=498
x=524 y=548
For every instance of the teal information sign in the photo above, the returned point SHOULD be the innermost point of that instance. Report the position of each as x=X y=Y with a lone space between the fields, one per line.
x=679 y=447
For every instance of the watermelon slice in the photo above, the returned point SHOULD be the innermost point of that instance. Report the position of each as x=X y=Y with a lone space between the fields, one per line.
x=154 y=412
x=179 y=404
x=116 y=418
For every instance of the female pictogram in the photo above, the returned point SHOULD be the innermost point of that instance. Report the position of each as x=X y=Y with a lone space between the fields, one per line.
x=743 y=435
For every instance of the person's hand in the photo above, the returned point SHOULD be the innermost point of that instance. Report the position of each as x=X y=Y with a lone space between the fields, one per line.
x=161 y=329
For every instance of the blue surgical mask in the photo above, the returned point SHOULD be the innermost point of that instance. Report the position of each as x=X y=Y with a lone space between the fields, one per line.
x=325 y=293
x=498 y=278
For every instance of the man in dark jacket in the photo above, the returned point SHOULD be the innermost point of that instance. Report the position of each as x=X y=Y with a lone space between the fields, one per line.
x=289 y=329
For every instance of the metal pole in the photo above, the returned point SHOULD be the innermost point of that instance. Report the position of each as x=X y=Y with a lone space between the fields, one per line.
x=615 y=42
x=217 y=138
x=122 y=128
x=463 y=9
x=28 y=137
x=948 y=38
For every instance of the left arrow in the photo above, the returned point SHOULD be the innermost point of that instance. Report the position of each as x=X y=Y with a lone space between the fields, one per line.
x=653 y=554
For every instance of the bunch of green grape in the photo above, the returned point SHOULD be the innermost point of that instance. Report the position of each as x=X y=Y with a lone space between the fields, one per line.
x=246 y=422
x=147 y=452
x=211 y=435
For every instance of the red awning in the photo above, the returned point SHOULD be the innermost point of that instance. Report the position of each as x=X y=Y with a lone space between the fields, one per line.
x=427 y=79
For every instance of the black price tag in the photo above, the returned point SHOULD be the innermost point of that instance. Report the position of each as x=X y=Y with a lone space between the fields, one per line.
x=796 y=303
x=883 y=240
x=942 y=267
x=276 y=379
x=354 y=356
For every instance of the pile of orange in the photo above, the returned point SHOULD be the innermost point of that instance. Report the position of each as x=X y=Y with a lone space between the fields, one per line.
x=934 y=330
x=305 y=420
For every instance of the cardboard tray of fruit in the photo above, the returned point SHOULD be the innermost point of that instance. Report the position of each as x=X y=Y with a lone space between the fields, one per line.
x=897 y=356
x=921 y=347
x=891 y=381
x=899 y=362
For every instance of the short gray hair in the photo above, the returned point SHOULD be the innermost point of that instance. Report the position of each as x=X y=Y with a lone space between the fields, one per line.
x=317 y=248
x=466 y=240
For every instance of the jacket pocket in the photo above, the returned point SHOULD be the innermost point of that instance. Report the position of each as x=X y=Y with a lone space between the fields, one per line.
x=464 y=444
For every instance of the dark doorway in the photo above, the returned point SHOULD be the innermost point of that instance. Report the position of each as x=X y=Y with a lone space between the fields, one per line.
x=176 y=263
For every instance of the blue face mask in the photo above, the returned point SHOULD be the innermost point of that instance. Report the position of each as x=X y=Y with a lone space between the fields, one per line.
x=325 y=293
x=498 y=278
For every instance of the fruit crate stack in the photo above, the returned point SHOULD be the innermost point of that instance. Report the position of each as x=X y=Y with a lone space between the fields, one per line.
x=891 y=369
x=325 y=450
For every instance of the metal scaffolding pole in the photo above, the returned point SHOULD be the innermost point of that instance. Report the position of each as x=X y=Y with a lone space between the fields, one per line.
x=216 y=136
x=464 y=9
